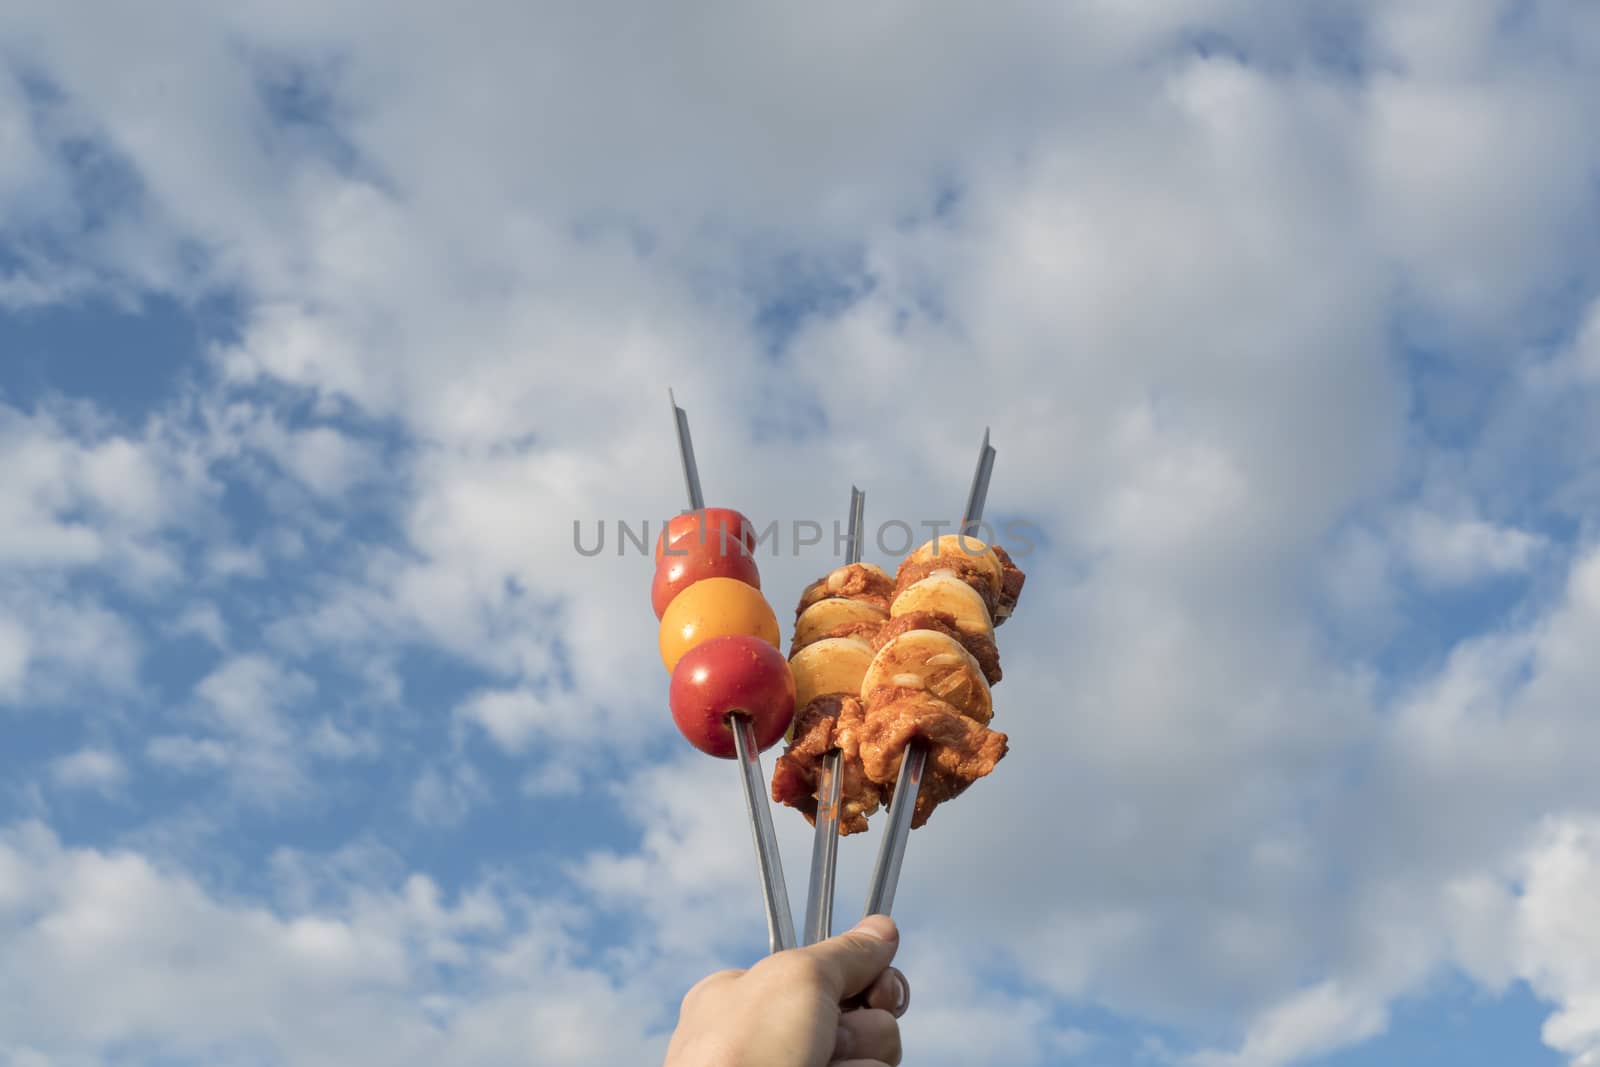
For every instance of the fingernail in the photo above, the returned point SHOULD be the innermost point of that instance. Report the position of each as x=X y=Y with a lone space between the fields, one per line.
x=901 y=995
x=879 y=926
x=844 y=1043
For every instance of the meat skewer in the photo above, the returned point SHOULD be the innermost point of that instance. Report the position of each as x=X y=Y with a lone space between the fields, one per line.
x=825 y=846
x=903 y=803
x=774 y=891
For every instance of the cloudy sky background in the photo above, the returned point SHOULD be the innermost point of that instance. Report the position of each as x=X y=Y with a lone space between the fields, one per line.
x=319 y=328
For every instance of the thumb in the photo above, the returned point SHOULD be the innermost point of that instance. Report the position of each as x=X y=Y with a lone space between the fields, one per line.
x=852 y=960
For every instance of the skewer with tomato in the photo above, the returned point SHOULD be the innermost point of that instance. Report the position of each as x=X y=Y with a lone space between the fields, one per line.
x=718 y=634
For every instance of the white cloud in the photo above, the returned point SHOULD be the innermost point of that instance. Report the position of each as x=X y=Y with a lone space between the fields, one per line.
x=246 y=725
x=1319 y=1020
x=1456 y=551
x=203 y=620
x=1449 y=130
x=957 y=1019
x=328 y=739
x=187 y=753
x=122 y=478
x=693 y=867
x=552 y=779
x=1473 y=760
x=322 y=458
x=73 y=494
x=60 y=646
x=90 y=768
x=234 y=561
x=1557 y=932
x=37 y=489
x=443 y=796
x=105 y=948
x=245 y=693
x=1510 y=708
x=1585 y=355
x=514 y=718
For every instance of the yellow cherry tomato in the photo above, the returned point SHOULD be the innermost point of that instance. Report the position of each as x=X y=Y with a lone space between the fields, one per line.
x=714 y=607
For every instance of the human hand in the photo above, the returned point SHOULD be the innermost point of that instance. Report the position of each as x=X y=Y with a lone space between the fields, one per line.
x=785 y=1011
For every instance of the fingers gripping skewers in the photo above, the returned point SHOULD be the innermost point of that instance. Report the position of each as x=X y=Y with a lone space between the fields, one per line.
x=732 y=692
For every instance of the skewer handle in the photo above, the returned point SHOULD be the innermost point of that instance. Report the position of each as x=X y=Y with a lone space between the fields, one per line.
x=825 y=843
x=780 y=920
x=824 y=852
x=886 y=872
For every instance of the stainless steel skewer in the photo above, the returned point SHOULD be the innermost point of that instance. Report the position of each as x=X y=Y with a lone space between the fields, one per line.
x=892 y=849
x=775 y=892
x=691 y=472
x=825 y=846
x=780 y=920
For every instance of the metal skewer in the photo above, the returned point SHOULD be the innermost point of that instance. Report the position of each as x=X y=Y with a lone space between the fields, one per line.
x=780 y=920
x=691 y=472
x=825 y=846
x=978 y=491
x=892 y=850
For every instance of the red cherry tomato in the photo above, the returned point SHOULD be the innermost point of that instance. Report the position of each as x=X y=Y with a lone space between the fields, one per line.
x=729 y=674
x=707 y=526
x=676 y=573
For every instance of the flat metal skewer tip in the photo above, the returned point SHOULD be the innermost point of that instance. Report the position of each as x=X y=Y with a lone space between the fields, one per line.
x=691 y=472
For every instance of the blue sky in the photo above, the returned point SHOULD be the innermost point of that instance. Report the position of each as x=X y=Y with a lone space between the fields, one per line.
x=319 y=329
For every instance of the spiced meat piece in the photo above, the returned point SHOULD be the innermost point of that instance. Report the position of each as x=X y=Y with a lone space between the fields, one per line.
x=913 y=571
x=854 y=581
x=830 y=721
x=849 y=629
x=1011 y=585
x=982 y=648
x=960 y=751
